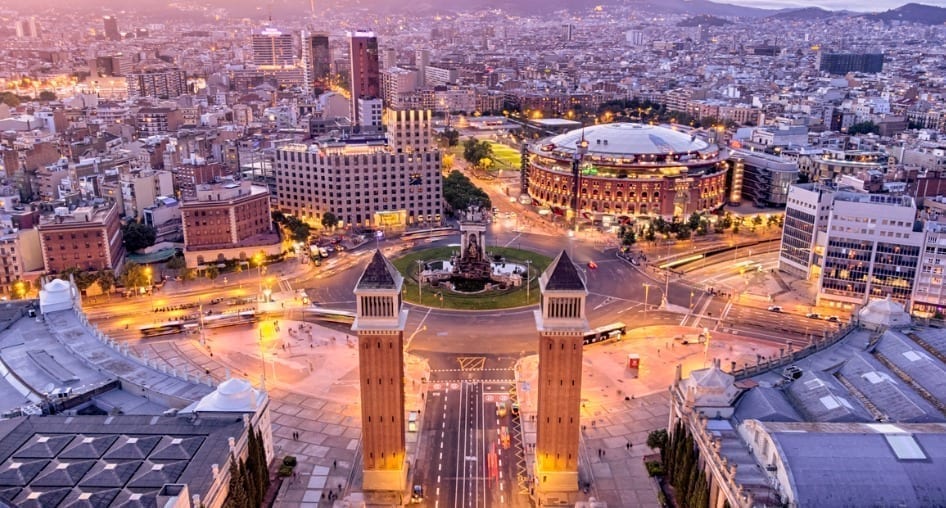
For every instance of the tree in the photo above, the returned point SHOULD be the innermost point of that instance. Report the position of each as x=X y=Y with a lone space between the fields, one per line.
x=627 y=236
x=212 y=272
x=658 y=439
x=329 y=220
x=106 y=280
x=757 y=220
x=867 y=127
x=447 y=162
x=278 y=217
x=298 y=230
x=474 y=151
x=47 y=96
x=137 y=236
x=236 y=493
x=10 y=99
x=133 y=275
x=694 y=221
x=176 y=263
x=451 y=136
x=459 y=192
x=186 y=274
x=20 y=288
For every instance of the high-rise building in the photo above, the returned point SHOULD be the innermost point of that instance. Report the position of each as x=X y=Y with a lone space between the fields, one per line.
x=843 y=63
x=111 y=28
x=855 y=245
x=379 y=323
x=384 y=180
x=388 y=58
x=272 y=48
x=365 y=69
x=561 y=322
x=160 y=83
x=421 y=61
x=27 y=28
x=320 y=57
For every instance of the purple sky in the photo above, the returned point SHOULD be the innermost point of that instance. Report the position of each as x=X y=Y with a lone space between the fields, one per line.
x=852 y=5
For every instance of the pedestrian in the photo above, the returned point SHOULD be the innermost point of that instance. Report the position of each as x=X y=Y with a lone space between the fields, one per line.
x=334 y=464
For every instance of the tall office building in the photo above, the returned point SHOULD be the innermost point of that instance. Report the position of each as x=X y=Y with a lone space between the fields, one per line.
x=111 y=28
x=855 y=245
x=365 y=70
x=383 y=180
x=562 y=323
x=421 y=61
x=160 y=83
x=272 y=48
x=320 y=58
x=388 y=58
x=27 y=28
x=379 y=323
x=843 y=63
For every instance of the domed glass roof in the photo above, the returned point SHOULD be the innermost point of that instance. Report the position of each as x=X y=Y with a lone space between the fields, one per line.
x=616 y=139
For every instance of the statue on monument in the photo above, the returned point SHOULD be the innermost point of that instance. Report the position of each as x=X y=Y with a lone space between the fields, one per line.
x=473 y=249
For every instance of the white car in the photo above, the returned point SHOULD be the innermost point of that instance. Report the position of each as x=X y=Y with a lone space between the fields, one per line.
x=775 y=308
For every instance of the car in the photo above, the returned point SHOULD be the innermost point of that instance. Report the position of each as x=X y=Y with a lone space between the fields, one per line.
x=592 y=265
x=833 y=319
x=813 y=315
x=500 y=409
x=417 y=494
x=775 y=308
x=515 y=409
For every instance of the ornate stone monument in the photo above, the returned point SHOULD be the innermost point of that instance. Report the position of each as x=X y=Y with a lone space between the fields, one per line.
x=472 y=262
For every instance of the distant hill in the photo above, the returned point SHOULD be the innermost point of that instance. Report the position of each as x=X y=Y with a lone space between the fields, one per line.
x=912 y=13
x=704 y=20
x=806 y=13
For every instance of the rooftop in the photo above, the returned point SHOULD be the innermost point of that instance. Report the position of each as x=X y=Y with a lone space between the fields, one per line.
x=626 y=139
x=562 y=275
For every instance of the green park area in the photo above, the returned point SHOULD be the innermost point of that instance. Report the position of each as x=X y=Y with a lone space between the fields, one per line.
x=495 y=299
x=505 y=157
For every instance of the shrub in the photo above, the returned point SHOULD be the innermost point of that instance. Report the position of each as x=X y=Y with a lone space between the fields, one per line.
x=285 y=471
x=654 y=468
x=289 y=460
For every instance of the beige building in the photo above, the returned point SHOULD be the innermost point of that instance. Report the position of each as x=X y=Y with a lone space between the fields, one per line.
x=388 y=180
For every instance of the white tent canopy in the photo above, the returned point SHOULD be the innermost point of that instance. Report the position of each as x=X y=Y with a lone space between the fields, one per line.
x=57 y=295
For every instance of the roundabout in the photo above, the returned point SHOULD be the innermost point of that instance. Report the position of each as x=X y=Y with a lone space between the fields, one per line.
x=430 y=279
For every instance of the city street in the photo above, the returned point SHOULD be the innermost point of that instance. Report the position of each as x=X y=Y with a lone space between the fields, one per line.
x=469 y=450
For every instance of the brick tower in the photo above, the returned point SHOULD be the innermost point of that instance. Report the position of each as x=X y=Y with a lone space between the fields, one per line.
x=379 y=323
x=561 y=323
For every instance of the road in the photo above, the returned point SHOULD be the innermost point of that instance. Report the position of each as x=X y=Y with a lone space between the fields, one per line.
x=462 y=459
x=470 y=454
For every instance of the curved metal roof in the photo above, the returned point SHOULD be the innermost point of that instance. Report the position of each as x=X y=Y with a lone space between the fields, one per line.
x=615 y=139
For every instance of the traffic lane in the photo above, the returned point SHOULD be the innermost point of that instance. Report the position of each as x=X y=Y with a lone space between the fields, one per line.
x=500 y=443
x=442 y=409
x=781 y=320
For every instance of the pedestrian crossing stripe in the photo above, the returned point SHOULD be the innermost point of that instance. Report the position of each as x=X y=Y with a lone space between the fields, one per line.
x=455 y=383
x=509 y=369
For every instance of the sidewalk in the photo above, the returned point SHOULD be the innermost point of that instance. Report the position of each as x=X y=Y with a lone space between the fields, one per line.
x=618 y=408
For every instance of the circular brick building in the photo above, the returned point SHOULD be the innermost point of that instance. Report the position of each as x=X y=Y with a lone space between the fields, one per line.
x=627 y=170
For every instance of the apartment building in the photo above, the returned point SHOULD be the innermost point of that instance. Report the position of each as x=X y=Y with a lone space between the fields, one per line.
x=88 y=237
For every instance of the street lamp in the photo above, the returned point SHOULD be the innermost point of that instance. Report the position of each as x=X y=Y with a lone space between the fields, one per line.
x=646 y=294
x=528 y=279
x=420 y=279
x=581 y=148
x=258 y=259
x=148 y=274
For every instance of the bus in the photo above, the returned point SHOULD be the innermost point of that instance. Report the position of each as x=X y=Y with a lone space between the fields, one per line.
x=606 y=332
x=230 y=319
x=428 y=233
x=334 y=316
x=748 y=266
x=162 y=329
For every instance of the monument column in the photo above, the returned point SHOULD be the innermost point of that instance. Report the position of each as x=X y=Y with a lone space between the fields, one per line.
x=379 y=323
x=562 y=323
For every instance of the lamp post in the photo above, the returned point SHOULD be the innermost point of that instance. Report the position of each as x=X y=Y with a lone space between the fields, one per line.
x=420 y=279
x=528 y=279
x=150 y=292
x=646 y=294
x=581 y=148
x=258 y=259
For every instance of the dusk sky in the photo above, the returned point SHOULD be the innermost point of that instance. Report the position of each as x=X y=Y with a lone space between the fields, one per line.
x=853 y=5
